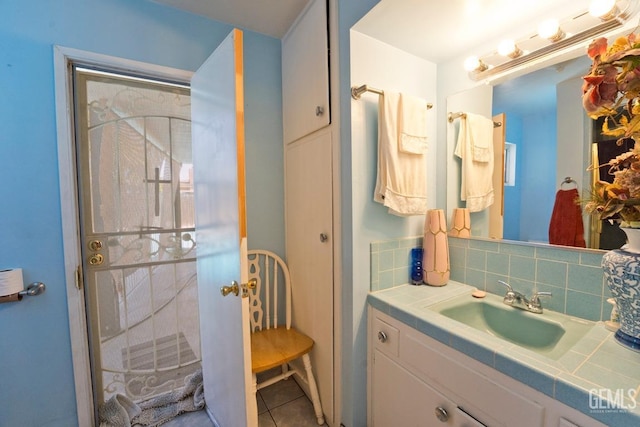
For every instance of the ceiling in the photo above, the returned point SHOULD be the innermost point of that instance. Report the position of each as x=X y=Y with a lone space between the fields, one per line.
x=270 y=17
x=435 y=30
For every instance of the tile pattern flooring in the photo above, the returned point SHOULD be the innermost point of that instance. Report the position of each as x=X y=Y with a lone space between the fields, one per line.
x=282 y=404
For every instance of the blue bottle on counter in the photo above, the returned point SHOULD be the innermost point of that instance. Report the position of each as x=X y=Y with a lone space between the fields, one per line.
x=416 y=266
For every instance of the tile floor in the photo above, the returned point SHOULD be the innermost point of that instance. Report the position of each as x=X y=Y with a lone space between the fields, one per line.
x=282 y=404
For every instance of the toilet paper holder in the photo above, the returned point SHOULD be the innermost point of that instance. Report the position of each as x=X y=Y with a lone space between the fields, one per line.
x=34 y=289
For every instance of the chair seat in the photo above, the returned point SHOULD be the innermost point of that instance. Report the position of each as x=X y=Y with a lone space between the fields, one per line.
x=273 y=347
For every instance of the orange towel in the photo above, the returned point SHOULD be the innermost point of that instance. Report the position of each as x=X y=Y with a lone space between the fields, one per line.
x=566 y=226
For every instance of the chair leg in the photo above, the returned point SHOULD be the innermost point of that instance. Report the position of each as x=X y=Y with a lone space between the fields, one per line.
x=313 y=389
x=254 y=386
x=285 y=369
x=253 y=405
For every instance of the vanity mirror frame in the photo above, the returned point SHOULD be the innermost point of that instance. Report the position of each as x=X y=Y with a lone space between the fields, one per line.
x=585 y=179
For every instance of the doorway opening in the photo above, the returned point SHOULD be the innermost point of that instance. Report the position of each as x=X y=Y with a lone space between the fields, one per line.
x=137 y=231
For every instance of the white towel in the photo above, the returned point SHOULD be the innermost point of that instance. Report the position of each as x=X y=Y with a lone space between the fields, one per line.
x=401 y=182
x=476 y=186
x=412 y=124
x=481 y=134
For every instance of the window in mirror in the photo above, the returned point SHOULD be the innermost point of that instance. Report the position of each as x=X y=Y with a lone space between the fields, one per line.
x=509 y=164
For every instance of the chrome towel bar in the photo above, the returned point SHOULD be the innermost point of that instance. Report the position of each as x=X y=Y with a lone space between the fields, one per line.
x=357 y=91
x=452 y=116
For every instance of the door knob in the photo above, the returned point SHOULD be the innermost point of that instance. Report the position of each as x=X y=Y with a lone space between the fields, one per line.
x=235 y=288
x=324 y=237
x=96 y=259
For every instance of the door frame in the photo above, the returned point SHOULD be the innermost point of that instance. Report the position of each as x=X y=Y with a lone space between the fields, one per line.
x=63 y=57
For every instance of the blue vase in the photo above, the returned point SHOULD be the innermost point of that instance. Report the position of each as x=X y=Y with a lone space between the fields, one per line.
x=622 y=273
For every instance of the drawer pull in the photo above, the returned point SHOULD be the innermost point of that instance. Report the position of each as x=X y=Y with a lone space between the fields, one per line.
x=441 y=414
x=382 y=336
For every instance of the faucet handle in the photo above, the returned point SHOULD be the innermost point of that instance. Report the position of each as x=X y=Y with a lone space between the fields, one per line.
x=535 y=299
x=509 y=288
x=510 y=296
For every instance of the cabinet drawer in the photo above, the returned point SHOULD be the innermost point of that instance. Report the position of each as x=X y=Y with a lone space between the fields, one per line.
x=490 y=401
x=385 y=337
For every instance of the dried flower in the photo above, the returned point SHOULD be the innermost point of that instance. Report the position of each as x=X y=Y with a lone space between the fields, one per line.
x=612 y=87
x=612 y=90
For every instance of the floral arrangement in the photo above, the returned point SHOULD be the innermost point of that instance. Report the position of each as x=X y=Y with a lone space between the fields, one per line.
x=612 y=90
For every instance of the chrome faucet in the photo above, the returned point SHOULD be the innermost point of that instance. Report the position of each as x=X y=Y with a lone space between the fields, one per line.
x=518 y=300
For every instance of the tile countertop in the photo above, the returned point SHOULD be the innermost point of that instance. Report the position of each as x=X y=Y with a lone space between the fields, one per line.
x=596 y=366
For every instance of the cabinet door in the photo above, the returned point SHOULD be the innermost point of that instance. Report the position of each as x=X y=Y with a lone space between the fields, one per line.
x=305 y=73
x=401 y=399
x=309 y=237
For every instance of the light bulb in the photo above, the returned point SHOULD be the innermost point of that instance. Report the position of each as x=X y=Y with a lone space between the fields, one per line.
x=603 y=9
x=471 y=63
x=509 y=48
x=550 y=29
x=475 y=64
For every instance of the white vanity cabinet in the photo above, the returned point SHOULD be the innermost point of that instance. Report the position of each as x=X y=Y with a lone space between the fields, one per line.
x=305 y=73
x=415 y=380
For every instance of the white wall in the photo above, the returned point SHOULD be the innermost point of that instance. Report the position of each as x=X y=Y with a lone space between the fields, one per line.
x=383 y=67
x=572 y=123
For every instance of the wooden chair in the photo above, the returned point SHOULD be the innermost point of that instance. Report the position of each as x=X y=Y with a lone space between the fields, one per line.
x=274 y=344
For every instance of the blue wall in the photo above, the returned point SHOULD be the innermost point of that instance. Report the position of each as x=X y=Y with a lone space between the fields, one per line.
x=535 y=169
x=512 y=196
x=538 y=174
x=37 y=387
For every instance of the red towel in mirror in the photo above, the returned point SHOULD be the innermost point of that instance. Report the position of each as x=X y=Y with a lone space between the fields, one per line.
x=566 y=227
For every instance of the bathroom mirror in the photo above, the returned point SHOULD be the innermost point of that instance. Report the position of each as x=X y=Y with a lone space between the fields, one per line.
x=555 y=142
x=547 y=128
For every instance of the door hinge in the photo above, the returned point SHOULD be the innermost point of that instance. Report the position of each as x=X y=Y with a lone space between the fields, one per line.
x=79 y=277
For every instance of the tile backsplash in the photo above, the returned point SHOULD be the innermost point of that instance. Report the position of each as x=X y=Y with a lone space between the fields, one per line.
x=574 y=277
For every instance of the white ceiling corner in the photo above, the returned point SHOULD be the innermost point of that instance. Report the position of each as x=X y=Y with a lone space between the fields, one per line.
x=272 y=18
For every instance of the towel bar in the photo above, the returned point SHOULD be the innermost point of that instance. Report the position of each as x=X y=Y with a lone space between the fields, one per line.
x=357 y=91
x=452 y=116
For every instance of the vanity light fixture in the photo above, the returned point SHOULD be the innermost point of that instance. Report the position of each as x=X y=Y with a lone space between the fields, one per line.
x=554 y=36
x=509 y=48
x=550 y=30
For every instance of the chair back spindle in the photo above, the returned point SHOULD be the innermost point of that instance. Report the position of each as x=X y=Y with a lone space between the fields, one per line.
x=272 y=276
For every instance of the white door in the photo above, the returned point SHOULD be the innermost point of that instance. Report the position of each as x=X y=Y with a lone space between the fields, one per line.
x=218 y=154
